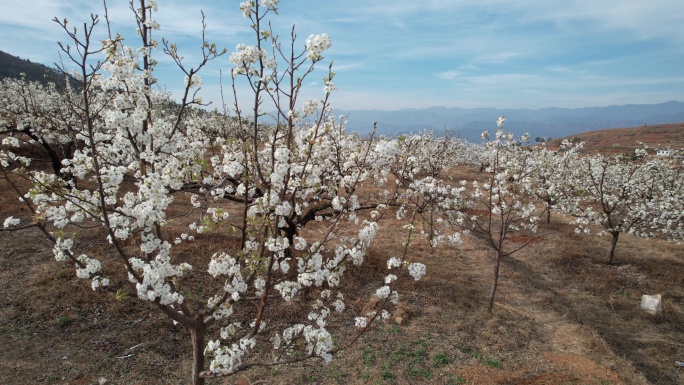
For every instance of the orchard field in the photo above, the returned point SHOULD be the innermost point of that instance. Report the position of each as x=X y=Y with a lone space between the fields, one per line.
x=150 y=240
x=563 y=317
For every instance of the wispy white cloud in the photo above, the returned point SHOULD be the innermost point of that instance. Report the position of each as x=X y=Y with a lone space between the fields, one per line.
x=497 y=57
x=559 y=68
x=401 y=53
x=348 y=66
x=449 y=75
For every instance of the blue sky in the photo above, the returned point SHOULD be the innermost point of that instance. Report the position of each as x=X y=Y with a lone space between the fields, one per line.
x=413 y=54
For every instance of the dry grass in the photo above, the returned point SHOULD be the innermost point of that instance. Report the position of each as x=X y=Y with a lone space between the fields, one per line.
x=626 y=140
x=562 y=316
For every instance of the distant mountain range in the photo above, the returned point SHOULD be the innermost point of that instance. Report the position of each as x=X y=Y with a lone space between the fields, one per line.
x=546 y=122
x=462 y=122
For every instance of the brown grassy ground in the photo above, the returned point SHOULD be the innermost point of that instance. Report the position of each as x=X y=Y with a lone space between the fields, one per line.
x=562 y=317
x=621 y=140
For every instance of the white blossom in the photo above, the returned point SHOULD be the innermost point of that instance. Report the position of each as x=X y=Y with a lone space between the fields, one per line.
x=417 y=270
x=10 y=222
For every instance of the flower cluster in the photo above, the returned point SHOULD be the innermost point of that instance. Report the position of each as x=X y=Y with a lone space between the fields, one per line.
x=245 y=59
x=316 y=45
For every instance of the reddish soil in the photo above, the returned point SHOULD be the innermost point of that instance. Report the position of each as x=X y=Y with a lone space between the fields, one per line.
x=626 y=140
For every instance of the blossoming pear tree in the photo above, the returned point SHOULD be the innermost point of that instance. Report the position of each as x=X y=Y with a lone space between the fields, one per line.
x=553 y=177
x=41 y=117
x=502 y=206
x=283 y=190
x=638 y=195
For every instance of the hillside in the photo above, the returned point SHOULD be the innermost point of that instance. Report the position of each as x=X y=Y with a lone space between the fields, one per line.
x=12 y=67
x=616 y=140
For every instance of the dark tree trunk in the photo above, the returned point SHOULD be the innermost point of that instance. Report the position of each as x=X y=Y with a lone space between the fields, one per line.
x=432 y=226
x=55 y=158
x=613 y=243
x=490 y=306
x=548 y=216
x=197 y=336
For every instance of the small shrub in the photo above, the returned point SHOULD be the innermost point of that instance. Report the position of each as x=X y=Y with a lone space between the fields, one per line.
x=493 y=362
x=419 y=372
x=440 y=360
x=368 y=357
x=65 y=320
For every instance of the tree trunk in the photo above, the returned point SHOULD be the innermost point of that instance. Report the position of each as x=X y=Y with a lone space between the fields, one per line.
x=432 y=228
x=490 y=307
x=613 y=243
x=548 y=215
x=55 y=158
x=197 y=336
